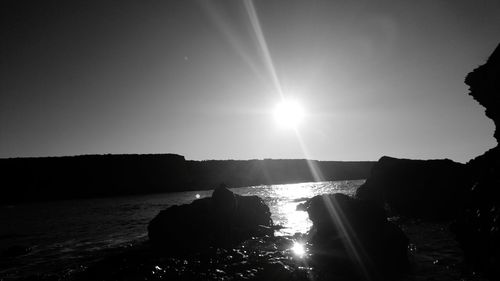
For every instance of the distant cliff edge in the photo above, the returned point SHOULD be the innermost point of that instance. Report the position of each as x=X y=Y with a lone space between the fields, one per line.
x=52 y=178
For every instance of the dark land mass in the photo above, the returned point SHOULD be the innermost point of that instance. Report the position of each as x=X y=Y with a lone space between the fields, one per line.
x=52 y=178
x=467 y=195
x=237 y=173
x=423 y=189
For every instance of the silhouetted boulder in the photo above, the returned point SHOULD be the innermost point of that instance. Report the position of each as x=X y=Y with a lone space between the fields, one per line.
x=223 y=220
x=344 y=227
x=429 y=189
x=478 y=227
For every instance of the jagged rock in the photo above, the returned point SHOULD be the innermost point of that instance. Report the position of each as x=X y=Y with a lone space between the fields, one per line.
x=429 y=189
x=484 y=86
x=477 y=228
x=344 y=227
x=223 y=220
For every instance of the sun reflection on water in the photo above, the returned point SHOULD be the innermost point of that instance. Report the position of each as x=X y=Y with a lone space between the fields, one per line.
x=292 y=195
x=298 y=249
x=283 y=199
x=293 y=191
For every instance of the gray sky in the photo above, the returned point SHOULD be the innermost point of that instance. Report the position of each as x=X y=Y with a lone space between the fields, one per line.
x=190 y=77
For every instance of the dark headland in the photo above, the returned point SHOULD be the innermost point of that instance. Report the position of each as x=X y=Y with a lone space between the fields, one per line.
x=52 y=178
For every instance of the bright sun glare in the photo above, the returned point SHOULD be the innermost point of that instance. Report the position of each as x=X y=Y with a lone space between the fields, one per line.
x=288 y=114
x=298 y=249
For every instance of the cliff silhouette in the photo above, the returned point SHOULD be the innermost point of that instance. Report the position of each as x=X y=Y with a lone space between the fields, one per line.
x=466 y=194
x=478 y=227
x=52 y=178
x=484 y=86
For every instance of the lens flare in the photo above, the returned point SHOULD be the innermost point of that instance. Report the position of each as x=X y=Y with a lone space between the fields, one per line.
x=261 y=40
x=288 y=114
x=298 y=249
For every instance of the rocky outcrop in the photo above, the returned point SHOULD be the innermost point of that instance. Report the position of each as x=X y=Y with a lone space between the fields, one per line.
x=344 y=227
x=484 y=86
x=223 y=220
x=429 y=189
x=478 y=227
x=442 y=189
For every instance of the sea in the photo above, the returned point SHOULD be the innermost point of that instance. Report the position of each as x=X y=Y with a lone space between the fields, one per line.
x=68 y=233
x=63 y=237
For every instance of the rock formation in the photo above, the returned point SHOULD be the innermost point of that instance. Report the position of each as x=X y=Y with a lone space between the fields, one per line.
x=478 y=227
x=344 y=227
x=429 y=189
x=442 y=189
x=484 y=83
x=223 y=220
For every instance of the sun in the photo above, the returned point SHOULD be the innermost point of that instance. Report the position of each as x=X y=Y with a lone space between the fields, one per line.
x=288 y=114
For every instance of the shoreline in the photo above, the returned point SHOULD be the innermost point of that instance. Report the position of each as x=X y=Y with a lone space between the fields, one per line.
x=433 y=253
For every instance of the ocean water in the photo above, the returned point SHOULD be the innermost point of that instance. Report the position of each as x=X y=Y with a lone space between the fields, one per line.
x=69 y=232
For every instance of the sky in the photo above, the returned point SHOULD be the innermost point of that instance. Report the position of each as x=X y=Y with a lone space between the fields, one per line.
x=202 y=78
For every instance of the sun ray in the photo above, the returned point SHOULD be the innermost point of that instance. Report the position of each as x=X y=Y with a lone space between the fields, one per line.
x=313 y=167
x=288 y=114
x=353 y=245
x=223 y=24
x=261 y=40
x=268 y=61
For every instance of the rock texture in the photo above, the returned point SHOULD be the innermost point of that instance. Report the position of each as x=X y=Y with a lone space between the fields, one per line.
x=484 y=86
x=223 y=220
x=344 y=227
x=428 y=189
x=477 y=228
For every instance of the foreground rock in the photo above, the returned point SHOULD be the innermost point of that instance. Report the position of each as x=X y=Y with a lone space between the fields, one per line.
x=223 y=220
x=433 y=255
x=478 y=227
x=349 y=229
x=428 y=189
x=257 y=259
